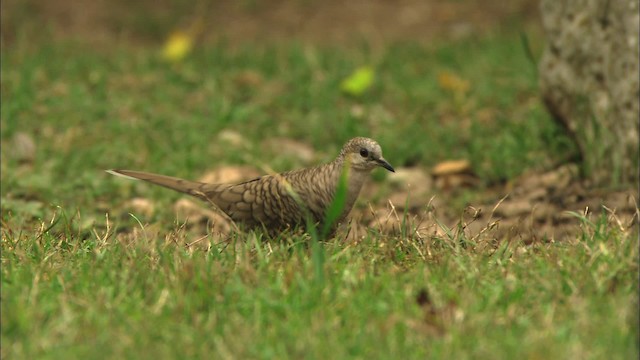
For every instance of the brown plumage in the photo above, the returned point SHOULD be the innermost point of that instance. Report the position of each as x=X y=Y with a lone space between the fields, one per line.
x=281 y=201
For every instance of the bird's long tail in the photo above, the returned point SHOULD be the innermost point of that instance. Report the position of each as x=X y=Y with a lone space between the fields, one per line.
x=181 y=185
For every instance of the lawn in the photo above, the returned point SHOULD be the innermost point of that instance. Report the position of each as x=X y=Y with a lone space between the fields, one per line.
x=83 y=278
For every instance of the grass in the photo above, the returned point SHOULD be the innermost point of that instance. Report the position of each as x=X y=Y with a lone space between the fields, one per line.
x=154 y=297
x=75 y=284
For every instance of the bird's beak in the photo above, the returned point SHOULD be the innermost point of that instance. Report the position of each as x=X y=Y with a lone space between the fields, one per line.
x=382 y=162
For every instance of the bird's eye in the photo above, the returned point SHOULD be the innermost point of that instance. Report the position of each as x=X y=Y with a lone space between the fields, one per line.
x=364 y=153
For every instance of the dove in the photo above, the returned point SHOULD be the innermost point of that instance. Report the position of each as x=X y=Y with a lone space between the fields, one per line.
x=278 y=202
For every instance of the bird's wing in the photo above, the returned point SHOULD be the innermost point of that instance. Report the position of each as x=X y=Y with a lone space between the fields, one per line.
x=267 y=200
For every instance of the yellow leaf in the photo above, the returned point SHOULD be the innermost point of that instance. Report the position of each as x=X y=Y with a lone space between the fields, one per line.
x=358 y=82
x=452 y=82
x=177 y=46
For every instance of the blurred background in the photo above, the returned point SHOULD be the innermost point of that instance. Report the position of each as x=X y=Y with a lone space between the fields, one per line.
x=224 y=91
x=327 y=22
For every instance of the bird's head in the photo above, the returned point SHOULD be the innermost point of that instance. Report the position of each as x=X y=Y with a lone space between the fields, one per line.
x=364 y=154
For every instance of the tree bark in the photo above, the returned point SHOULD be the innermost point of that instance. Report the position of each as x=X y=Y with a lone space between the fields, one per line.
x=589 y=81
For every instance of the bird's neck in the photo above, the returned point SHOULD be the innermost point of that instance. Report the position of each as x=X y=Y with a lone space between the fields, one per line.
x=355 y=180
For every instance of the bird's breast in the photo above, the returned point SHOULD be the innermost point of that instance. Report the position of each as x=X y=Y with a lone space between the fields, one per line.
x=355 y=180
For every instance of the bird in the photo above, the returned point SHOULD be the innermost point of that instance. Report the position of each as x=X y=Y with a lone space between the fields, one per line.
x=278 y=202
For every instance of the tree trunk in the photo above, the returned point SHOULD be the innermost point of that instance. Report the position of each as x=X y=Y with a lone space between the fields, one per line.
x=589 y=81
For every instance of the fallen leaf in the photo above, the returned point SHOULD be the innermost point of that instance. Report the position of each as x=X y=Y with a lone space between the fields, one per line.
x=358 y=82
x=451 y=167
x=177 y=46
x=454 y=174
x=452 y=82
